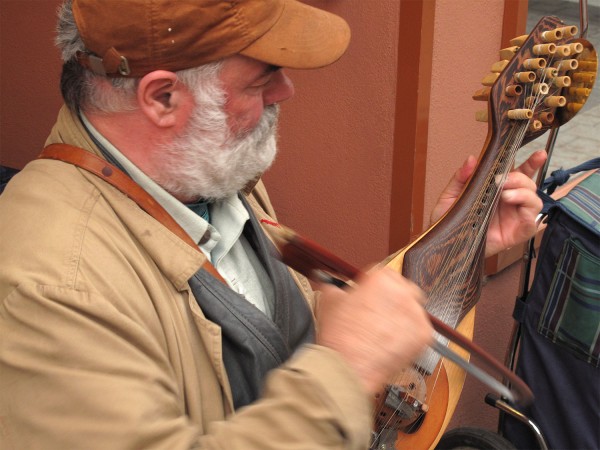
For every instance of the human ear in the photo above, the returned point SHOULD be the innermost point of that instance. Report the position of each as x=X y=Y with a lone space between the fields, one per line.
x=159 y=98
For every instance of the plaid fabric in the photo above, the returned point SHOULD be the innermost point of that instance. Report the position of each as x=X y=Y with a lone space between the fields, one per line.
x=571 y=314
x=584 y=202
x=559 y=346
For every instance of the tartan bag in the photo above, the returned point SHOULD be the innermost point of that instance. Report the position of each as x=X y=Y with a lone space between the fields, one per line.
x=559 y=354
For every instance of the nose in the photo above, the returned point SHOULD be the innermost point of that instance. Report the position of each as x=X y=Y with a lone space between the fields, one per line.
x=279 y=90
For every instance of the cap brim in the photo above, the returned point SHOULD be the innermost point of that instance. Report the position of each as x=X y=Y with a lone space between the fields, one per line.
x=303 y=37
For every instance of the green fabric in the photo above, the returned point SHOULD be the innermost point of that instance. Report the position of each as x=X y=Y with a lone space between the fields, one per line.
x=201 y=208
x=584 y=201
x=571 y=313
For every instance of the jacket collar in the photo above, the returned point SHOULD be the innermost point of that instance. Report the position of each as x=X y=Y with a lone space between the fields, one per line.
x=176 y=259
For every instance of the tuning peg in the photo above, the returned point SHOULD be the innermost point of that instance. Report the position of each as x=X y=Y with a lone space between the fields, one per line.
x=587 y=64
x=541 y=88
x=524 y=77
x=552 y=35
x=574 y=107
x=549 y=72
x=579 y=92
x=534 y=63
x=520 y=114
x=544 y=49
x=584 y=77
x=518 y=41
x=568 y=31
x=508 y=52
x=513 y=90
x=499 y=66
x=561 y=81
x=576 y=47
x=490 y=79
x=482 y=94
x=530 y=101
x=566 y=64
x=481 y=116
x=555 y=101
x=546 y=118
x=535 y=125
x=562 y=51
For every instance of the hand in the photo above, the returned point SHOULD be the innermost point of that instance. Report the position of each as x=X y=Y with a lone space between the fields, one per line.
x=514 y=220
x=379 y=326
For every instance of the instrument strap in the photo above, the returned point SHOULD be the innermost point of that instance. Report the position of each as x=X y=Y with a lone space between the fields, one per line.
x=115 y=177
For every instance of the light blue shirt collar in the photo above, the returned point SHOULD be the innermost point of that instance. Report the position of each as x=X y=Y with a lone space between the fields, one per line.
x=193 y=224
x=222 y=241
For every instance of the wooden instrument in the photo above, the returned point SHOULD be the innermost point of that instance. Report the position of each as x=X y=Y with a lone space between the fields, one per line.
x=541 y=82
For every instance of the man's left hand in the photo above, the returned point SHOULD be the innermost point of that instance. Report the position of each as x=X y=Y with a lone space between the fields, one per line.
x=514 y=220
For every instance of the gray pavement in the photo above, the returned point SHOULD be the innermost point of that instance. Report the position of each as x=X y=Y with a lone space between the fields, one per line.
x=579 y=139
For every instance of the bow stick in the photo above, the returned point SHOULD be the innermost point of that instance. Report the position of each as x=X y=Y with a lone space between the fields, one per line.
x=318 y=264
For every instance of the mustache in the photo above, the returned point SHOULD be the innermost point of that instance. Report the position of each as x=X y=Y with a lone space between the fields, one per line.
x=209 y=161
x=266 y=126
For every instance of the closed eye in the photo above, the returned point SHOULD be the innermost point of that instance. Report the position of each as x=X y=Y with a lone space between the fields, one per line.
x=265 y=76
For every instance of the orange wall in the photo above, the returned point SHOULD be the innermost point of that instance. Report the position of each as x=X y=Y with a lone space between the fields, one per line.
x=29 y=74
x=333 y=177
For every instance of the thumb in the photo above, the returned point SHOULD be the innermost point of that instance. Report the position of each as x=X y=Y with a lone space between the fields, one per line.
x=460 y=177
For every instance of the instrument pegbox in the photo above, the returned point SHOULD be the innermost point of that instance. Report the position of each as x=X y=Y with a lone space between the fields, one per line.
x=543 y=78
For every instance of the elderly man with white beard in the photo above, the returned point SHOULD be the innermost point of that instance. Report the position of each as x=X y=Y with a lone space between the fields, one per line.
x=141 y=306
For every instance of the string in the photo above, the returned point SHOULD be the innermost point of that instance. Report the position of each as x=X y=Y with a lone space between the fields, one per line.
x=476 y=225
x=493 y=184
x=440 y=289
x=506 y=161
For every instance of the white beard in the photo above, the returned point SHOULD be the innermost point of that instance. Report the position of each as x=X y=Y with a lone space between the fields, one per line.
x=207 y=161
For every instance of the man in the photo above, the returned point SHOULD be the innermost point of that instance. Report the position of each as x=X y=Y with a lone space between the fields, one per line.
x=116 y=333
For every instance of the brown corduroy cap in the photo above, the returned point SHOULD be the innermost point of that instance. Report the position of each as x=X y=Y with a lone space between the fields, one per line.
x=134 y=37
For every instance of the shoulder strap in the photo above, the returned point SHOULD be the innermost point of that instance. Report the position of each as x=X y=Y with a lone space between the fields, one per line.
x=116 y=178
x=559 y=177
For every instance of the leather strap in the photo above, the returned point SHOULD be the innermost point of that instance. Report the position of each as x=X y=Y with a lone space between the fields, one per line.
x=115 y=177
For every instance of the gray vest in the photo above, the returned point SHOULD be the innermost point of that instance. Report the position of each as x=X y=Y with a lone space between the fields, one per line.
x=253 y=344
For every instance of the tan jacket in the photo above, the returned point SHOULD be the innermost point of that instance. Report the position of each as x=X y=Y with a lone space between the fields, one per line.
x=102 y=345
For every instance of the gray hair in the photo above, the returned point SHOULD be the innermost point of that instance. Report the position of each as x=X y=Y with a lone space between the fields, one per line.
x=83 y=89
